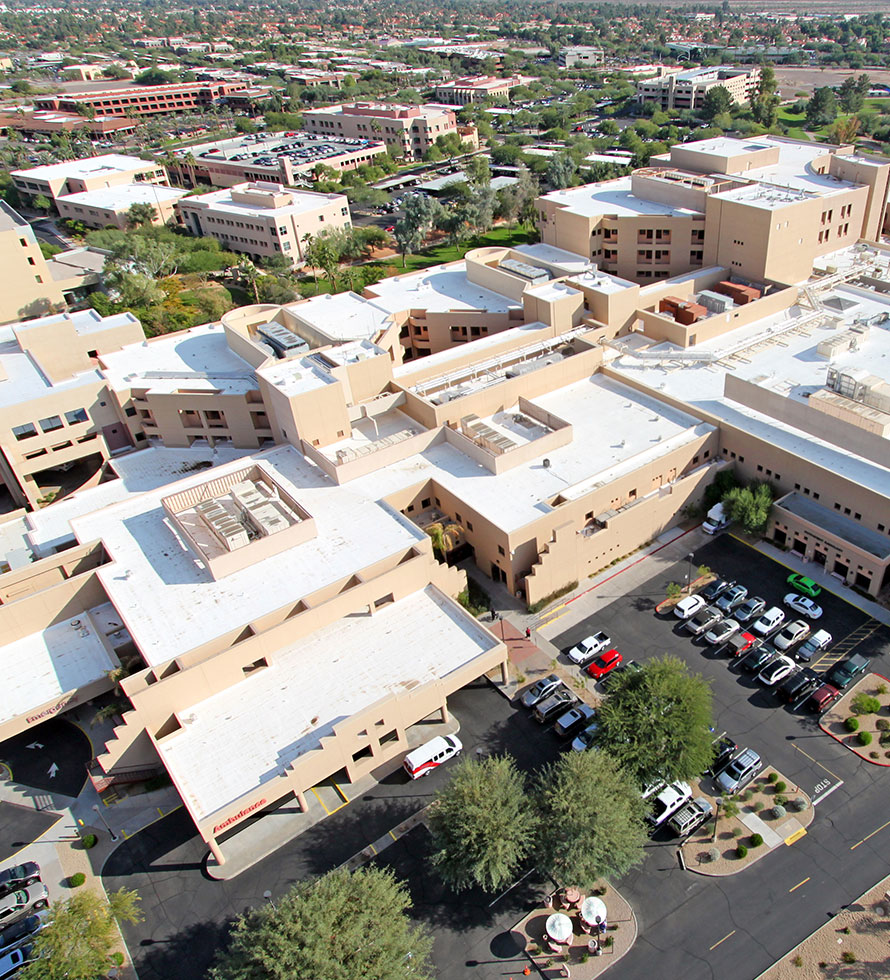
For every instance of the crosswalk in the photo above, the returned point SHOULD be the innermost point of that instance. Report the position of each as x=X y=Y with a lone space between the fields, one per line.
x=847 y=645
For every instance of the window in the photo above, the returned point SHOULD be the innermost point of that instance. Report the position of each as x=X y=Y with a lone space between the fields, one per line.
x=26 y=431
x=80 y=415
x=51 y=423
x=501 y=550
x=469 y=525
x=130 y=411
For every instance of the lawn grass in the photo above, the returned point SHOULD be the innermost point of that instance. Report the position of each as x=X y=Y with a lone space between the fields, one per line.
x=503 y=237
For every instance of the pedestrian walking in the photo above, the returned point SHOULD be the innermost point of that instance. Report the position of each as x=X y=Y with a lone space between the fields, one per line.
x=528 y=632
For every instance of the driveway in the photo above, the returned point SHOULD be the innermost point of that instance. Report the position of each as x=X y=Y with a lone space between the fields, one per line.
x=187 y=912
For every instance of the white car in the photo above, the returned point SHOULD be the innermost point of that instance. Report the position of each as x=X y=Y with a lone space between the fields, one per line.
x=803 y=605
x=668 y=801
x=776 y=670
x=769 y=622
x=818 y=641
x=790 y=634
x=689 y=606
x=722 y=631
x=589 y=648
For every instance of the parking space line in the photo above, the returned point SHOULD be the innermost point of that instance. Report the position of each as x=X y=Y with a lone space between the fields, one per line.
x=320 y=800
x=794 y=889
x=723 y=940
x=834 y=775
x=869 y=837
x=343 y=796
x=848 y=643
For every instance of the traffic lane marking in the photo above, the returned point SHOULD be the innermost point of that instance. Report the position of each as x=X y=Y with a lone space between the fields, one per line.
x=794 y=889
x=834 y=775
x=869 y=837
x=822 y=796
x=723 y=940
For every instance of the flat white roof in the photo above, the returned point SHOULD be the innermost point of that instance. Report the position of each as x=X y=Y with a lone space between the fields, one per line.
x=296 y=375
x=123 y=196
x=439 y=288
x=187 y=607
x=300 y=202
x=25 y=381
x=108 y=163
x=781 y=357
x=45 y=665
x=199 y=359
x=310 y=687
x=567 y=262
x=611 y=197
x=342 y=316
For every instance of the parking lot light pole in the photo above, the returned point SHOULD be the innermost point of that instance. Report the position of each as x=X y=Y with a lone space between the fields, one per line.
x=689 y=558
x=718 y=800
x=104 y=821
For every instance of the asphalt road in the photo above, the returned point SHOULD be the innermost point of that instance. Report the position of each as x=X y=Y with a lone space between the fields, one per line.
x=187 y=912
x=51 y=756
x=696 y=927
x=19 y=825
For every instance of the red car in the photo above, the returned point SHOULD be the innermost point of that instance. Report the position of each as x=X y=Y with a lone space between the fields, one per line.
x=604 y=663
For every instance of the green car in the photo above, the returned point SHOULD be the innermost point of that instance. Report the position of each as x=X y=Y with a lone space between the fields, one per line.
x=803 y=584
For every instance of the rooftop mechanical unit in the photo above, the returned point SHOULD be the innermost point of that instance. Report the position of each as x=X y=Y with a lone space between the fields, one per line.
x=281 y=340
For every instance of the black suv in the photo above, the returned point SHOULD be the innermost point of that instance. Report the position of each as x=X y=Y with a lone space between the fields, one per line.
x=842 y=673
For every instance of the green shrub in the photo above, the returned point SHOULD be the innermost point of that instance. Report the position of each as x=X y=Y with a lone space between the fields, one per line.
x=797 y=961
x=779 y=786
x=756 y=840
x=848 y=957
x=773 y=777
x=864 y=738
x=89 y=840
x=741 y=851
x=76 y=880
x=536 y=607
x=880 y=689
x=758 y=806
x=736 y=831
x=747 y=794
x=779 y=811
x=852 y=724
x=731 y=809
x=117 y=958
x=799 y=804
x=780 y=800
x=874 y=755
x=864 y=704
x=713 y=854
x=882 y=725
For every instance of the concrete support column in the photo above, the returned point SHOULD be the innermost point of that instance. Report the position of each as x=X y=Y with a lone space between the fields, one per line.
x=505 y=673
x=443 y=712
x=301 y=799
x=215 y=851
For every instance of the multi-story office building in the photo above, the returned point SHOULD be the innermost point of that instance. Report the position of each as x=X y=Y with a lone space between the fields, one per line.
x=765 y=208
x=89 y=174
x=142 y=100
x=28 y=288
x=476 y=88
x=407 y=130
x=314 y=627
x=110 y=206
x=30 y=123
x=263 y=219
x=581 y=56
x=687 y=89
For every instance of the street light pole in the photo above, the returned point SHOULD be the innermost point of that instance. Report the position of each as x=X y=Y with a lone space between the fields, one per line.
x=719 y=801
x=104 y=821
x=267 y=895
x=689 y=558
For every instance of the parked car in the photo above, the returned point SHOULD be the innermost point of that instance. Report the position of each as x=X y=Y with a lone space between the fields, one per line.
x=757 y=659
x=791 y=633
x=750 y=609
x=797 y=686
x=19 y=876
x=691 y=816
x=820 y=640
x=668 y=801
x=554 y=706
x=841 y=674
x=625 y=667
x=604 y=663
x=822 y=698
x=769 y=622
x=801 y=583
x=741 y=643
x=540 y=690
x=426 y=758
x=588 y=648
x=585 y=739
x=711 y=592
x=576 y=718
x=803 y=606
x=743 y=768
x=14 y=961
x=776 y=670
x=731 y=598
x=689 y=606
x=14 y=935
x=703 y=620
x=18 y=903
x=722 y=631
x=724 y=752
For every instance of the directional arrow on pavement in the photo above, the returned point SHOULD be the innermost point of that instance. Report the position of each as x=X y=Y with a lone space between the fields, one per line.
x=53 y=769
x=35 y=745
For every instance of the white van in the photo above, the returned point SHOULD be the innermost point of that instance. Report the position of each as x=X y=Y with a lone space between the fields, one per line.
x=431 y=755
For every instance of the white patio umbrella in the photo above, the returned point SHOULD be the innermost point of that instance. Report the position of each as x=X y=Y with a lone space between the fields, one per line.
x=559 y=927
x=593 y=911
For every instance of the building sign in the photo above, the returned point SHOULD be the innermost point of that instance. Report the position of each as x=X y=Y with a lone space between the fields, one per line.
x=52 y=710
x=237 y=816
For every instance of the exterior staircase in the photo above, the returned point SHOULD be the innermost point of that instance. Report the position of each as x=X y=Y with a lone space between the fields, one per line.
x=102 y=780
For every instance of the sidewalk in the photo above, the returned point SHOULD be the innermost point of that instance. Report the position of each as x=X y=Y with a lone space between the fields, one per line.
x=266 y=834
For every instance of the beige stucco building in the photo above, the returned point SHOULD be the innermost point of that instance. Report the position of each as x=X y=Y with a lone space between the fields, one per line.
x=27 y=288
x=89 y=174
x=261 y=219
x=407 y=130
x=110 y=206
x=687 y=89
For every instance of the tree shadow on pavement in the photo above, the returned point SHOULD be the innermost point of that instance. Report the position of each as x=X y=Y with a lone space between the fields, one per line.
x=164 y=957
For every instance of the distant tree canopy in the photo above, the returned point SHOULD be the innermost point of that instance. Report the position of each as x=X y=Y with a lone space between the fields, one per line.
x=154 y=76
